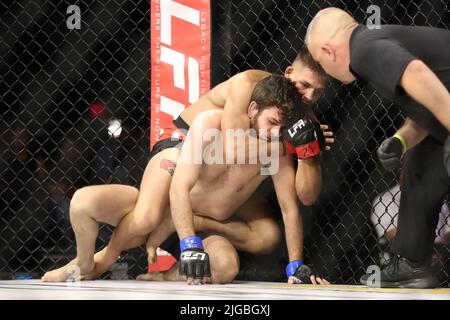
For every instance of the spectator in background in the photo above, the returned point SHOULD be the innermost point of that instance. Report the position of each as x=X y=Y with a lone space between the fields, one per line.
x=101 y=138
x=64 y=177
x=107 y=157
x=384 y=216
x=17 y=187
x=18 y=168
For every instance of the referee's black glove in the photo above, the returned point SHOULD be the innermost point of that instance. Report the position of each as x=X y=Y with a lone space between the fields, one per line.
x=390 y=152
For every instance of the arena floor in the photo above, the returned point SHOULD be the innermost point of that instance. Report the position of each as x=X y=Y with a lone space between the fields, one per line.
x=143 y=290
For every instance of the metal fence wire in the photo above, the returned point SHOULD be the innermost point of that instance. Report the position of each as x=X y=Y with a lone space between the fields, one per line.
x=64 y=91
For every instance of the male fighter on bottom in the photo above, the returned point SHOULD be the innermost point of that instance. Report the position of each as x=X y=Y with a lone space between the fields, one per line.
x=85 y=215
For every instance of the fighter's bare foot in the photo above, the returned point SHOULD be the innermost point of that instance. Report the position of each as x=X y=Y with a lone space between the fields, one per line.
x=170 y=275
x=151 y=276
x=57 y=275
x=70 y=272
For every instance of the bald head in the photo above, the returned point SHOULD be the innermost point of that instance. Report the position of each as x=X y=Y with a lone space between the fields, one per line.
x=326 y=24
x=327 y=39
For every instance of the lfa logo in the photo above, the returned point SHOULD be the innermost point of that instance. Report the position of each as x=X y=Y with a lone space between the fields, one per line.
x=293 y=130
x=74 y=20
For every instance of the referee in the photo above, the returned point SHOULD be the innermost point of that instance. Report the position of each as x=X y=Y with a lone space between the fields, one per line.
x=411 y=67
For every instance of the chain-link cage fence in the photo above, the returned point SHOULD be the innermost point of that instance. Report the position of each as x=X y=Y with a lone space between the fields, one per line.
x=66 y=92
x=62 y=89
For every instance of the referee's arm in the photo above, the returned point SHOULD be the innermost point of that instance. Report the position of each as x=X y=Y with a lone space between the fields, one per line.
x=424 y=86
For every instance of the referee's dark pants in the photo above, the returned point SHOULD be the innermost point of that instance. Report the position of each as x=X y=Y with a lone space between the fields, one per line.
x=425 y=185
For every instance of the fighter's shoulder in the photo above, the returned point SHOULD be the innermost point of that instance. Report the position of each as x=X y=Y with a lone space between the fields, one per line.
x=250 y=77
x=208 y=119
x=240 y=82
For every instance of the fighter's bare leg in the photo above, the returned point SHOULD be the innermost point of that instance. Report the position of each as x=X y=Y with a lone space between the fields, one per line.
x=143 y=215
x=152 y=202
x=151 y=206
x=89 y=207
x=105 y=258
x=252 y=229
x=224 y=262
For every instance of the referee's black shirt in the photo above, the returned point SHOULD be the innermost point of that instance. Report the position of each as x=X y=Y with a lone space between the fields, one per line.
x=380 y=57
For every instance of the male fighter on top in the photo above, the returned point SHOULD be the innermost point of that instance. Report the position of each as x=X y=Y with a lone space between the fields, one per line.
x=92 y=204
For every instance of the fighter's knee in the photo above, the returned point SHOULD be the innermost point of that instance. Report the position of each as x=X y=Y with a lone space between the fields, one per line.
x=225 y=270
x=224 y=260
x=308 y=200
x=266 y=239
x=145 y=221
x=273 y=236
x=307 y=197
x=80 y=203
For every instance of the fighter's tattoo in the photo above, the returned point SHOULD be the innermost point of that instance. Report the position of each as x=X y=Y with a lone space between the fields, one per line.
x=168 y=165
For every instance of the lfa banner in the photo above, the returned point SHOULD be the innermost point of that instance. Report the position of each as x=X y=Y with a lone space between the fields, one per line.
x=180 y=58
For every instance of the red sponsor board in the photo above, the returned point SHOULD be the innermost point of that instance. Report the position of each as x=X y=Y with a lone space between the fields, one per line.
x=180 y=58
x=180 y=68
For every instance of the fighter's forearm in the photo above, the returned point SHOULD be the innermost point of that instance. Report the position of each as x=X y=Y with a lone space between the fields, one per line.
x=308 y=180
x=412 y=133
x=420 y=82
x=181 y=209
x=294 y=233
